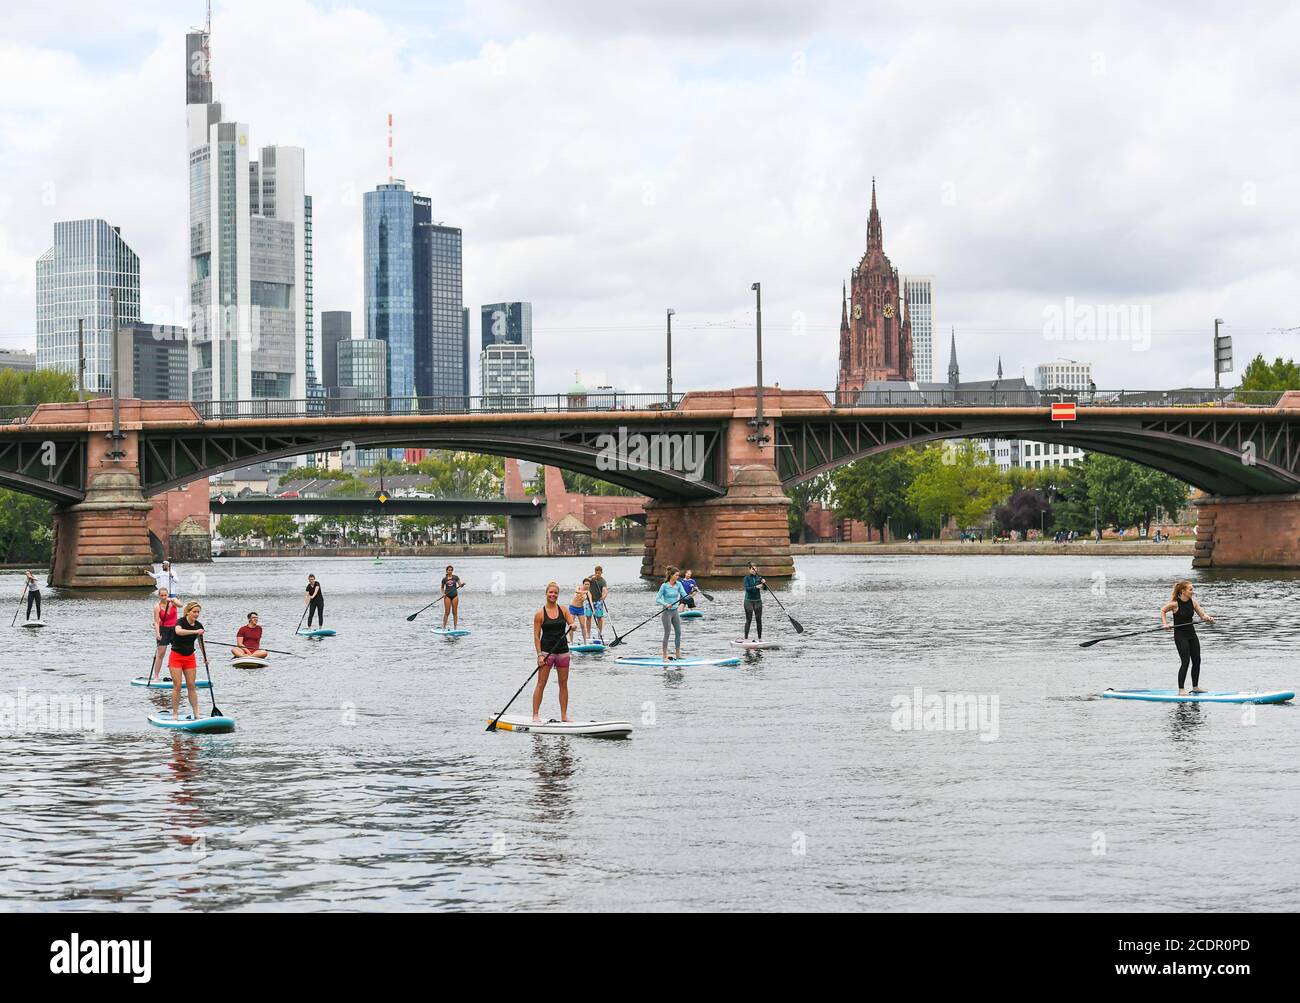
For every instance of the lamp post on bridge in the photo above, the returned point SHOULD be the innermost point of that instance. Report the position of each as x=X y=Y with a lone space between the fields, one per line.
x=760 y=423
x=669 y=404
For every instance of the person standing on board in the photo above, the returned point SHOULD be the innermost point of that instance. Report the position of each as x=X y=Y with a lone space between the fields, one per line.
x=1182 y=605
x=166 y=579
x=550 y=625
x=670 y=598
x=33 y=595
x=181 y=662
x=314 y=600
x=449 y=588
x=579 y=614
x=165 y=614
x=599 y=593
x=754 y=583
x=249 y=639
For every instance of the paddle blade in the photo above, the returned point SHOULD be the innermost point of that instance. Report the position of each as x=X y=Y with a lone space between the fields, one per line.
x=412 y=617
x=706 y=595
x=616 y=642
x=798 y=627
x=491 y=725
x=1089 y=644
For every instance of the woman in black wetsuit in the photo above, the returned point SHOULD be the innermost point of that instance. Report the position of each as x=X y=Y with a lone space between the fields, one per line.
x=551 y=626
x=1182 y=606
x=450 y=590
x=315 y=600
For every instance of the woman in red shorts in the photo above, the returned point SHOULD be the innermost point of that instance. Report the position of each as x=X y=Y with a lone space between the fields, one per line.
x=550 y=627
x=181 y=661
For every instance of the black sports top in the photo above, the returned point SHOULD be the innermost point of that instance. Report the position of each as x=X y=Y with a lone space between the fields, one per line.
x=184 y=645
x=554 y=641
x=1183 y=614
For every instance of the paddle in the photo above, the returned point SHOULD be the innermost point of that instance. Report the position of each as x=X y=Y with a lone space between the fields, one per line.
x=492 y=725
x=798 y=627
x=212 y=693
x=619 y=639
x=412 y=617
x=302 y=618
x=20 y=604
x=270 y=651
x=1134 y=633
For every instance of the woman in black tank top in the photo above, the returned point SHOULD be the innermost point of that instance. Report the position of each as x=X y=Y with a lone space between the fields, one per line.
x=551 y=625
x=450 y=590
x=1182 y=605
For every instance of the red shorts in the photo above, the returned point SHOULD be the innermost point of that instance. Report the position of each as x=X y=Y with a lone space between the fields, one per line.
x=557 y=661
x=175 y=661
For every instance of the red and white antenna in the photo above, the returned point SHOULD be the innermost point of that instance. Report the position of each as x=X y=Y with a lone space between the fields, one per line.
x=390 y=147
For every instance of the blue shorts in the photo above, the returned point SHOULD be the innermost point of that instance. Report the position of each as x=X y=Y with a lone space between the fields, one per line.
x=578 y=610
x=600 y=610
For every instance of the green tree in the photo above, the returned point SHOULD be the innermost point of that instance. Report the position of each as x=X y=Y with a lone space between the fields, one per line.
x=802 y=498
x=874 y=490
x=1129 y=494
x=955 y=481
x=1281 y=374
x=26 y=522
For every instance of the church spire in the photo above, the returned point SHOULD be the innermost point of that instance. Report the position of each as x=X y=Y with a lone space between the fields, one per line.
x=954 y=374
x=844 y=305
x=874 y=238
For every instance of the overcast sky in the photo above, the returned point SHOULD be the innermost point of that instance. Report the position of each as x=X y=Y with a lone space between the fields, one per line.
x=608 y=160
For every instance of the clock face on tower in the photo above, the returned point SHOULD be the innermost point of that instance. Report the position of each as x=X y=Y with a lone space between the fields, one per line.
x=889 y=310
x=857 y=311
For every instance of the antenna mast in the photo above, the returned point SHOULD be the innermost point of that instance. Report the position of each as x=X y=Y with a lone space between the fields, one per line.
x=390 y=147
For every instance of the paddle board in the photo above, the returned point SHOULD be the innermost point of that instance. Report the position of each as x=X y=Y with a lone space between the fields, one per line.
x=751 y=645
x=680 y=663
x=166 y=683
x=187 y=723
x=33 y=623
x=586 y=649
x=692 y=614
x=449 y=631
x=601 y=729
x=248 y=662
x=1220 y=696
x=320 y=632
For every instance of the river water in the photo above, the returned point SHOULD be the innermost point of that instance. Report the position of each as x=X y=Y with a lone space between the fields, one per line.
x=360 y=776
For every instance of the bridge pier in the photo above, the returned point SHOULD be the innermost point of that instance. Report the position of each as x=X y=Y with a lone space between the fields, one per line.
x=526 y=536
x=1251 y=531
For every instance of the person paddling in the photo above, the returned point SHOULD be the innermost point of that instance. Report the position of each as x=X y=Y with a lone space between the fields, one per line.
x=165 y=613
x=181 y=663
x=33 y=595
x=599 y=593
x=165 y=579
x=670 y=598
x=689 y=587
x=314 y=600
x=1183 y=605
x=754 y=583
x=578 y=612
x=449 y=589
x=550 y=625
x=249 y=639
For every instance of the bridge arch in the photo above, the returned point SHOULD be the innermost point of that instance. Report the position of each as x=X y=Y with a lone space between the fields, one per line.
x=1220 y=455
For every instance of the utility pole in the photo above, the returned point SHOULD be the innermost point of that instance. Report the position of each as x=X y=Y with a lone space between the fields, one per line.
x=116 y=453
x=669 y=404
x=81 y=361
x=759 y=438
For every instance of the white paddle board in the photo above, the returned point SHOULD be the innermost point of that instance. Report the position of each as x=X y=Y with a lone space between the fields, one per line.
x=248 y=662
x=602 y=729
x=751 y=645
x=677 y=663
x=449 y=631
x=164 y=719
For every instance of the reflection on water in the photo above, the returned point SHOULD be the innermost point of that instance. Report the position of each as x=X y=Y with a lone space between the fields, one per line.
x=360 y=775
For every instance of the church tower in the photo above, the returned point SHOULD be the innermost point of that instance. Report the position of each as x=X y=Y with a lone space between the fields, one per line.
x=875 y=329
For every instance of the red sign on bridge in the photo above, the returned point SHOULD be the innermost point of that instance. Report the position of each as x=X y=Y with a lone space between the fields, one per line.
x=1063 y=411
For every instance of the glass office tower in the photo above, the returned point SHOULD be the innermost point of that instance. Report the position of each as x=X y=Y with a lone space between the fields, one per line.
x=448 y=374
x=390 y=283
x=918 y=290
x=74 y=277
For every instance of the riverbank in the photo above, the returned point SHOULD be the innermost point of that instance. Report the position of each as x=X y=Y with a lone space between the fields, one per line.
x=448 y=550
x=1031 y=548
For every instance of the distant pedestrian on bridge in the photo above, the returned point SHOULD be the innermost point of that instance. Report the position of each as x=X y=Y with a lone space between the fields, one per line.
x=314 y=600
x=449 y=588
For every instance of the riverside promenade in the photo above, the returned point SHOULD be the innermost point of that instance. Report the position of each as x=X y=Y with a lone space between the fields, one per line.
x=1024 y=548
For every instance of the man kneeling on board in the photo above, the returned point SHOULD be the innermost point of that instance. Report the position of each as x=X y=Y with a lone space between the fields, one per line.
x=249 y=638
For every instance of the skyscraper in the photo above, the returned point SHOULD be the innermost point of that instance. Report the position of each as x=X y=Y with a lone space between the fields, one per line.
x=250 y=254
x=875 y=331
x=507 y=324
x=335 y=326
x=88 y=260
x=506 y=367
x=155 y=362
x=918 y=291
x=413 y=298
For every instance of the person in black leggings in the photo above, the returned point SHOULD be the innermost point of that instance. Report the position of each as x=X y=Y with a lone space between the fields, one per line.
x=315 y=600
x=1182 y=606
x=33 y=595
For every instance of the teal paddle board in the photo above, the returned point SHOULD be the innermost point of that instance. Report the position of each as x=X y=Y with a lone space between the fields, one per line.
x=1220 y=696
x=692 y=614
x=449 y=631
x=587 y=648
x=207 y=725
x=321 y=632
x=166 y=684
x=679 y=663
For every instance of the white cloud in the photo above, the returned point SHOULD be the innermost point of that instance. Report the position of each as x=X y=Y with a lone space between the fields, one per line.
x=607 y=161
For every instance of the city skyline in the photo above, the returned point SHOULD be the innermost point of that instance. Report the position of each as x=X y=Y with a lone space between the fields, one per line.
x=595 y=238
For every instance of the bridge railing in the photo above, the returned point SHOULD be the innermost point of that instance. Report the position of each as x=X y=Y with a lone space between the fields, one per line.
x=1028 y=397
x=595 y=400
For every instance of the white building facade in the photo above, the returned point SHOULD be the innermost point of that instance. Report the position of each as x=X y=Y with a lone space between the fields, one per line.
x=918 y=291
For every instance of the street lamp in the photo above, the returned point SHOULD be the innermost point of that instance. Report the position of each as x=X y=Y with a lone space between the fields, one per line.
x=759 y=438
x=671 y=311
